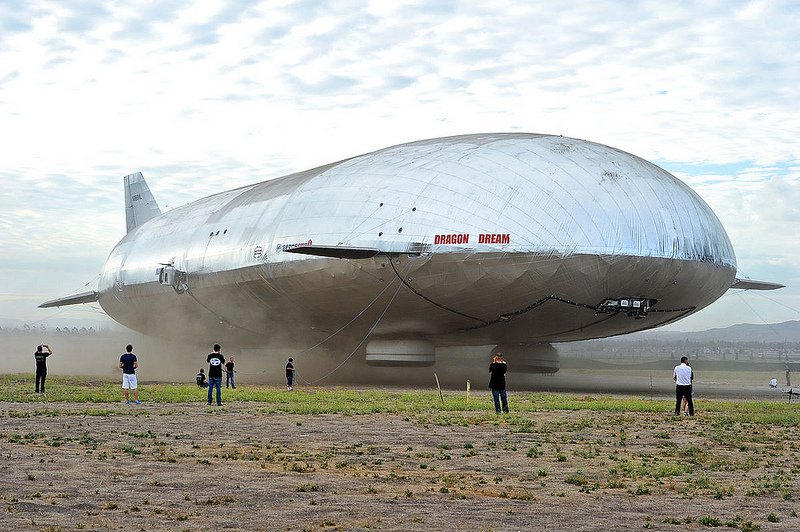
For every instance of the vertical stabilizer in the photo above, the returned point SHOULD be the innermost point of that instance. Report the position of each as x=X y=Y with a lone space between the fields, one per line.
x=140 y=205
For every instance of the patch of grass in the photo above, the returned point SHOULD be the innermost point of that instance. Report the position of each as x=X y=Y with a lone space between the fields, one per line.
x=578 y=479
x=742 y=524
x=131 y=449
x=670 y=470
x=708 y=520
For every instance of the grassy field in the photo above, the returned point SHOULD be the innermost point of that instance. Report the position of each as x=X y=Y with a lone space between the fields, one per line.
x=389 y=459
x=349 y=401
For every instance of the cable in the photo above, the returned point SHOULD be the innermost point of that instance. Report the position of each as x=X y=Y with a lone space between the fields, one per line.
x=62 y=310
x=773 y=301
x=221 y=319
x=759 y=317
x=504 y=318
x=605 y=318
x=353 y=352
x=343 y=327
x=432 y=302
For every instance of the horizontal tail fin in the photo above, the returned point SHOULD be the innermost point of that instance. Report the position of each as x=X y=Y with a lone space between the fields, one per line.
x=77 y=299
x=140 y=205
x=749 y=284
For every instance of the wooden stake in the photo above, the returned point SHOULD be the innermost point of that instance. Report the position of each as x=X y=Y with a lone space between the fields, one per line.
x=438 y=386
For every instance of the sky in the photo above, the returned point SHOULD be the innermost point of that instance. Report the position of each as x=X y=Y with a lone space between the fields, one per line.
x=204 y=96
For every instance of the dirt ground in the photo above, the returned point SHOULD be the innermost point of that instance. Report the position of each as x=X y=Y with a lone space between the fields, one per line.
x=192 y=467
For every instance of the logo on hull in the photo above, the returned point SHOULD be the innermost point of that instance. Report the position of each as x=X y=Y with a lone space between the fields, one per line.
x=483 y=238
x=283 y=247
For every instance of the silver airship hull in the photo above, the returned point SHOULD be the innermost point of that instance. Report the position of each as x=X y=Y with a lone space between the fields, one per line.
x=490 y=299
x=508 y=239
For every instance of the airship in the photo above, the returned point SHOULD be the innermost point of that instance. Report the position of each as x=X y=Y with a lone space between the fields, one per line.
x=513 y=241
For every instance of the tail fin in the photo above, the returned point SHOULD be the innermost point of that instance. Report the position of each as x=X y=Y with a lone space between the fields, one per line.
x=140 y=205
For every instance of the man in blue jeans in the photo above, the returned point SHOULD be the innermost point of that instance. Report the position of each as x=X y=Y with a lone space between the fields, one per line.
x=215 y=362
x=289 y=375
x=497 y=382
x=229 y=371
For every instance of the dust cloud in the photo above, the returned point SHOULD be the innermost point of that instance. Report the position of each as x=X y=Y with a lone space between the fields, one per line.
x=97 y=355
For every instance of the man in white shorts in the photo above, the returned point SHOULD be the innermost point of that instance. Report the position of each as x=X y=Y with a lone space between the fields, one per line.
x=128 y=363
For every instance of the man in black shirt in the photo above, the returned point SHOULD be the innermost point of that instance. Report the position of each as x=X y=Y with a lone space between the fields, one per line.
x=229 y=371
x=41 y=366
x=289 y=375
x=215 y=362
x=201 y=378
x=497 y=382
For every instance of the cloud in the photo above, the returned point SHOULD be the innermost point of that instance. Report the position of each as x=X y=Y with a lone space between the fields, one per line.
x=80 y=16
x=15 y=18
x=203 y=97
x=7 y=78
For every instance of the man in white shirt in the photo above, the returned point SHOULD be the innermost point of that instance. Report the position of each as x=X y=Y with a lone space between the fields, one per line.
x=682 y=375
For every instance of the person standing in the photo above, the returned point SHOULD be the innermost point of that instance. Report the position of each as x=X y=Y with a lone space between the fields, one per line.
x=41 y=366
x=128 y=363
x=229 y=371
x=682 y=375
x=497 y=382
x=215 y=362
x=289 y=375
x=684 y=402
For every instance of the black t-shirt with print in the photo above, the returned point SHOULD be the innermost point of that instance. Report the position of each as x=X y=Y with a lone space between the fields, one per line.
x=215 y=362
x=41 y=358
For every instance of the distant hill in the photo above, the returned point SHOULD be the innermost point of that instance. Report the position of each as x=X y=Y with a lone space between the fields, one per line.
x=773 y=333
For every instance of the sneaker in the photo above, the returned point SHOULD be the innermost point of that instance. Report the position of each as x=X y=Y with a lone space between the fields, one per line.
x=138 y=402
x=219 y=404
x=209 y=404
x=127 y=402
